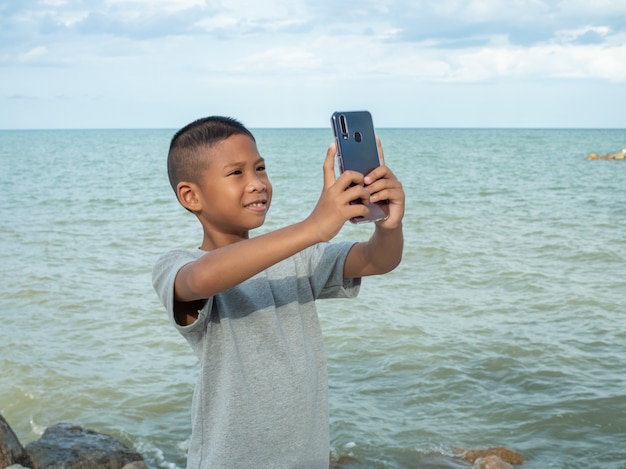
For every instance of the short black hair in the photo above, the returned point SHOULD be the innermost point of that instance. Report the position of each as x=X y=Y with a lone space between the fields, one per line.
x=184 y=160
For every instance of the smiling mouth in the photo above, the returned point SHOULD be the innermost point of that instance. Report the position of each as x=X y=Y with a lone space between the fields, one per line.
x=259 y=205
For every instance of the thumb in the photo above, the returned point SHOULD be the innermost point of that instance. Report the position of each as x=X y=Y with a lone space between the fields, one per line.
x=329 y=166
x=381 y=154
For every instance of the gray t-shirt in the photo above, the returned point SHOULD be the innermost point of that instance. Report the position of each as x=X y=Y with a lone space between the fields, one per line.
x=261 y=396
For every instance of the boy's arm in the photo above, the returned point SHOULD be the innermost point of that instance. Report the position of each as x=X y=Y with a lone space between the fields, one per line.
x=383 y=251
x=380 y=254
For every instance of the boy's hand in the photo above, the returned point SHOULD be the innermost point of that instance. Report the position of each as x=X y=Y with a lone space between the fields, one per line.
x=333 y=208
x=382 y=184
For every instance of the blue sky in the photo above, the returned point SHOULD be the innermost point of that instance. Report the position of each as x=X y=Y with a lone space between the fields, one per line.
x=291 y=63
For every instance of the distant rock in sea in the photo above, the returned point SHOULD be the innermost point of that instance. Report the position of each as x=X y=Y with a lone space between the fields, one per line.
x=620 y=155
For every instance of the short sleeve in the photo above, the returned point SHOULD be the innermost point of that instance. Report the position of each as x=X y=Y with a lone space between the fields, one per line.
x=163 y=277
x=326 y=261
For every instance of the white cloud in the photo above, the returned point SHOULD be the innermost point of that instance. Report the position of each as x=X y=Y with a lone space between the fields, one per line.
x=597 y=8
x=158 y=5
x=574 y=35
x=278 y=60
x=54 y=3
x=541 y=62
x=33 y=54
x=482 y=11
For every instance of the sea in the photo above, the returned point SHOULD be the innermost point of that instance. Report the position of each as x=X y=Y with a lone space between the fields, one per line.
x=504 y=325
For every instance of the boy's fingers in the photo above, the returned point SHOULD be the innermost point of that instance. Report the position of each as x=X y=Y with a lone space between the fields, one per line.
x=381 y=172
x=329 y=166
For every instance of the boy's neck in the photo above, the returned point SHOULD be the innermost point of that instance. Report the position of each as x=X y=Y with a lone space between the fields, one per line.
x=213 y=241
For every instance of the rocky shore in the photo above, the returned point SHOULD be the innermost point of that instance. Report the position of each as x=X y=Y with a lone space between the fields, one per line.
x=68 y=446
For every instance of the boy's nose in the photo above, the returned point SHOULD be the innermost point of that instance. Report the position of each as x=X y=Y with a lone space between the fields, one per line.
x=256 y=184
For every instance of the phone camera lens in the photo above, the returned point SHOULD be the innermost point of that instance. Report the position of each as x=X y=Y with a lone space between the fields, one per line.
x=343 y=126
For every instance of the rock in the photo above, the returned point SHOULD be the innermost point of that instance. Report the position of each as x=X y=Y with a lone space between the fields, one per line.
x=502 y=452
x=136 y=465
x=343 y=462
x=11 y=450
x=491 y=462
x=620 y=155
x=67 y=446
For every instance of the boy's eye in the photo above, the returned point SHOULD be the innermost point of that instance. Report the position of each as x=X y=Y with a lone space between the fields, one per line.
x=235 y=172
x=260 y=168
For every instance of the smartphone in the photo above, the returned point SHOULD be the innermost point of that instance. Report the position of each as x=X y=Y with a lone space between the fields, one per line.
x=357 y=151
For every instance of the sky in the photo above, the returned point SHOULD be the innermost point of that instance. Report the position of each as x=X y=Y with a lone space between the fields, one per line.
x=291 y=63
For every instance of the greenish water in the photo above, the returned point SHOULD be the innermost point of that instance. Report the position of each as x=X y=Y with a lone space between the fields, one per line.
x=505 y=323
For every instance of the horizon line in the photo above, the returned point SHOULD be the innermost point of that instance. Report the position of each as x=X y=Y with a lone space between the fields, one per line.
x=26 y=129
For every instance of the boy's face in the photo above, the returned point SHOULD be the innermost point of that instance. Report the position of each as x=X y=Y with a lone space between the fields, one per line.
x=234 y=192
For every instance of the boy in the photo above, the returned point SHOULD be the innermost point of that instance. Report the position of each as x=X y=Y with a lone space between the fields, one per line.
x=247 y=305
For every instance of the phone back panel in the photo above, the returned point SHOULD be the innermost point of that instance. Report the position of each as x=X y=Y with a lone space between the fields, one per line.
x=356 y=141
x=357 y=151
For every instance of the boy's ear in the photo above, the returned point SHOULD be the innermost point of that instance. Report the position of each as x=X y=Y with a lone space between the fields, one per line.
x=187 y=193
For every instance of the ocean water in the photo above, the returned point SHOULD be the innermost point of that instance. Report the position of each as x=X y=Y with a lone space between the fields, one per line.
x=505 y=324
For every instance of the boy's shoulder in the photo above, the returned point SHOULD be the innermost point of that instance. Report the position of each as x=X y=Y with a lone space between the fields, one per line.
x=177 y=255
x=169 y=263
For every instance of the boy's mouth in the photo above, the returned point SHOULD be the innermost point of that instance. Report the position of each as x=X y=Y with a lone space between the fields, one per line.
x=258 y=205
